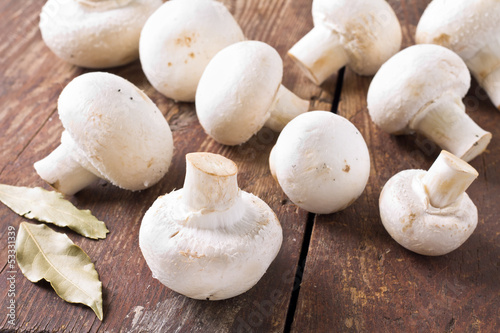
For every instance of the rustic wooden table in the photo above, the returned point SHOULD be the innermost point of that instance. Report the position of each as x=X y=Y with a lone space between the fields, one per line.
x=335 y=273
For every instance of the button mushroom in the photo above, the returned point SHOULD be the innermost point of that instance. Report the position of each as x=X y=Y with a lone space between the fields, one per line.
x=240 y=92
x=209 y=240
x=429 y=212
x=361 y=34
x=471 y=29
x=321 y=162
x=112 y=131
x=420 y=90
x=95 y=33
x=179 y=40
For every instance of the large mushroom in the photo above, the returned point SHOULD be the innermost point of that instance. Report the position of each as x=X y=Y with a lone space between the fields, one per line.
x=321 y=162
x=472 y=30
x=95 y=33
x=179 y=40
x=241 y=91
x=209 y=240
x=361 y=34
x=112 y=131
x=428 y=212
x=420 y=89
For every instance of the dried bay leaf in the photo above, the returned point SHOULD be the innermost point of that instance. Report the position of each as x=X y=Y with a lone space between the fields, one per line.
x=50 y=206
x=43 y=253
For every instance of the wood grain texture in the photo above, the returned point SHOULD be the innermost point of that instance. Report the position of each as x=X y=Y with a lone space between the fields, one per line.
x=133 y=301
x=357 y=279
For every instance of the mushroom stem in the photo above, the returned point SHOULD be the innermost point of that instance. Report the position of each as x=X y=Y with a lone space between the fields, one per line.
x=210 y=183
x=285 y=107
x=447 y=179
x=319 y=53
x=63 y=173
x=491 y=85
x=445 y=122
x=485 y=67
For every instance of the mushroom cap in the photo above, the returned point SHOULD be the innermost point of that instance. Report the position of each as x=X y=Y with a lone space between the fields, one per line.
x=116 y=129
x=209 y=263
x=463 y=26
x=369 y=30
x=412 y=79
x=321 y=162
x=415 y=224
x=237 y=89
x=95 y=34
x=179 y=40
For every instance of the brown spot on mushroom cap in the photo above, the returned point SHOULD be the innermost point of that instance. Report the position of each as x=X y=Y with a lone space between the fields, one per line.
x=409 y=223
x=346 y=168
x=169 y=64
x=187 y=40
x=191 y=55
x=443 y=39
x=191 y=255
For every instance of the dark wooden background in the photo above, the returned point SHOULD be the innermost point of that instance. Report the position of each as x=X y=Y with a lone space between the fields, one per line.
x=335 y=273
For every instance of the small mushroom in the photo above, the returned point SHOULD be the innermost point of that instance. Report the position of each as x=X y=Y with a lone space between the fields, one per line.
x=428 y=212
x=112 y=131
x=321 y=162
x=95 y=33
x=240 y=92
x=471 y=29
x=209 y=240
x=361 y=34
x=179 y=40
x=420 y=89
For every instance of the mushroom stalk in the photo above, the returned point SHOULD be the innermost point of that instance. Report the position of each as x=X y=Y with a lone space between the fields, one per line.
x=445 y=122
x=491 y=85
x=285 y=107
x=485 y=67
x=447 y=179
x=210 y=184
x=63 y=173
x=320 y=53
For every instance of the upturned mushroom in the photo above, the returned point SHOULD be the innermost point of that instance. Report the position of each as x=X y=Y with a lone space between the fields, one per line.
x=179 y=40
x=471 y=29
x=428 y=212
x=420 y=89
x=361 y=34
x=209 y=240
x=112 y=130
x=241 y=91
x=95 y=33
x=321 y=162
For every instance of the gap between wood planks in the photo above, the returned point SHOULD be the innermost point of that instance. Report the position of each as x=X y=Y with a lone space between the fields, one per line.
x=311 y=217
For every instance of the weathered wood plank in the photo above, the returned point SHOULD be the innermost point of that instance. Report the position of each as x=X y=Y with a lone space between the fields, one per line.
x=133 y=300
x=357 y=279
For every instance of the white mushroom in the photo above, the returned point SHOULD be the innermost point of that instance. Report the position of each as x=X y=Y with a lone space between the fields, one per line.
x=472 y=30
x=420 y=89
x=209 y=240
x=112 y=131
x=95 y=33
x=429 y=212
x=321 y=162
x=179 y=40
x=361 y=34
x=240 y=92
